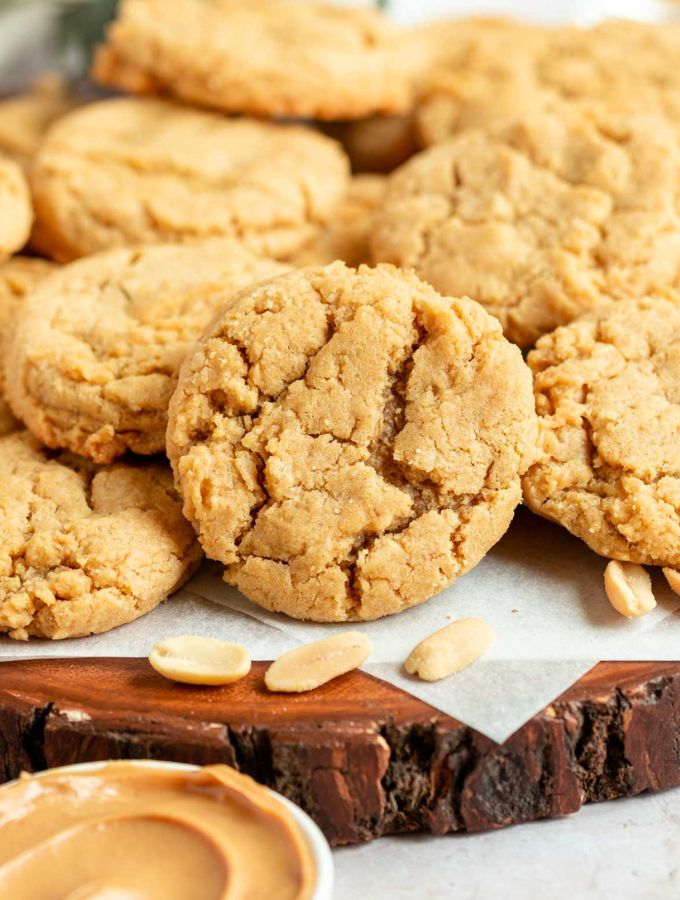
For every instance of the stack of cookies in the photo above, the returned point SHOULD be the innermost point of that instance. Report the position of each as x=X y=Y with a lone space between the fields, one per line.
x=332 y=362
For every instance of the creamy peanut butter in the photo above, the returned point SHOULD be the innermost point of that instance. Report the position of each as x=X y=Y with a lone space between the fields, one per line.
x=130 y=832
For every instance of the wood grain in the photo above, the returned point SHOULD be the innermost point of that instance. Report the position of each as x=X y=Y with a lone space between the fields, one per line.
x=361 y=756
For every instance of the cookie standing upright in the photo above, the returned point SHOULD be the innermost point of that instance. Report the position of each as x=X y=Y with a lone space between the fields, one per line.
x=347 y=442
x=94 y=355
x=16 y=214
x=130 y=171
x=85 y=549
x=542 y=218
x=260 y=57
x=608 y=397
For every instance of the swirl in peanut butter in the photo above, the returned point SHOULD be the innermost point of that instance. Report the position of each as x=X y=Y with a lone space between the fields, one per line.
x=129 y=832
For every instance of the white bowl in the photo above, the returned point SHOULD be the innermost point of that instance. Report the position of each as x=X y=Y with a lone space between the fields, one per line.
x=317 y=843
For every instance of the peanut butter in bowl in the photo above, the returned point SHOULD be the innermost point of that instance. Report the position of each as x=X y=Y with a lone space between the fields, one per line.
x=142 y=831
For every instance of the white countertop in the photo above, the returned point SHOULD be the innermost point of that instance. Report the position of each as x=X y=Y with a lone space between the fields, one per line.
x=624 y=849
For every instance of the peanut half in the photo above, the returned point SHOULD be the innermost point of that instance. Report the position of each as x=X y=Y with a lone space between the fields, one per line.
x=629 y=589
x=200 y=660
x=450 y=649
x=312 y=665
x=673 y=579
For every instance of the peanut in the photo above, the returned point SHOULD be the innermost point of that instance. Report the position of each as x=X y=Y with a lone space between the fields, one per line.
x=308 y=667
x=200 y=660
x=450 y=649
x=629 y=589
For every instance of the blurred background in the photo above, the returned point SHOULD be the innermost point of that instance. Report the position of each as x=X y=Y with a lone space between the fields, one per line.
x=35 y=34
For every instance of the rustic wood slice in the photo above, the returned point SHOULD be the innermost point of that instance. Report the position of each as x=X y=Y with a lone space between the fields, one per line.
x=361 y=756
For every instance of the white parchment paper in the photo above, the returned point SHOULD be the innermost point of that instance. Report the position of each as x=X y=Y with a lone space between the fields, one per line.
x=540 y=589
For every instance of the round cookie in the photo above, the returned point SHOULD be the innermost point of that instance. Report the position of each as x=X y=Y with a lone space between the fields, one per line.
x=96 y=349
x=347 y=237
x=515 y=69
x=608 y=397
x=261 y=57
x=130 y=171
x=16 y=214
x=347 y=442
x=85 y=549
x=539 y=219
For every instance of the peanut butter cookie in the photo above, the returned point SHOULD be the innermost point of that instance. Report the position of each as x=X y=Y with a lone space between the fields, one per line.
x=347 y=442
x=260 y=57
x=608 y=397
x=512 y=69
x=347 y=237
x=96 y=349
x=130 y=171
x=16 y=214
x=85 y=549
x=540 y=219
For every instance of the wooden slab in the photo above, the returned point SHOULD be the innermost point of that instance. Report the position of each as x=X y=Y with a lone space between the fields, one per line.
x=361 y=756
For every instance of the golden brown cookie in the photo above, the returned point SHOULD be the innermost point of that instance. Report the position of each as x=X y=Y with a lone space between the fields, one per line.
x=513 y=69
x=608 y=397
x=19 y=276
x=260 y=57
x=348 y=442
x=347 y=237
x=25 y=118
x=540 y=219
x=16 y=214
x=129 y=171
x=85 y=549
x=96 y=349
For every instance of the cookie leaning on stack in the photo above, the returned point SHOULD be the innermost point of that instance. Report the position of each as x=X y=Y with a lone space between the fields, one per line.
x=347 y=442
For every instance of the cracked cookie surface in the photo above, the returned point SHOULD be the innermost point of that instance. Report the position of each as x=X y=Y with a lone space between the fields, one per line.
x=85 y=549
x=260 y=57
x=94 y=356
x=131 y=171
x=608 y=397
x=540 y=219
x=347 y=442
x=16 y=213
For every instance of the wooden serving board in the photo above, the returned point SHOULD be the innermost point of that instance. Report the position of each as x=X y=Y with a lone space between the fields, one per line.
x=361 y=756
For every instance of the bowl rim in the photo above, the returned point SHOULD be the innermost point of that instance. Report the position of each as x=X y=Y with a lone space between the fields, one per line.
x=314 y=837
